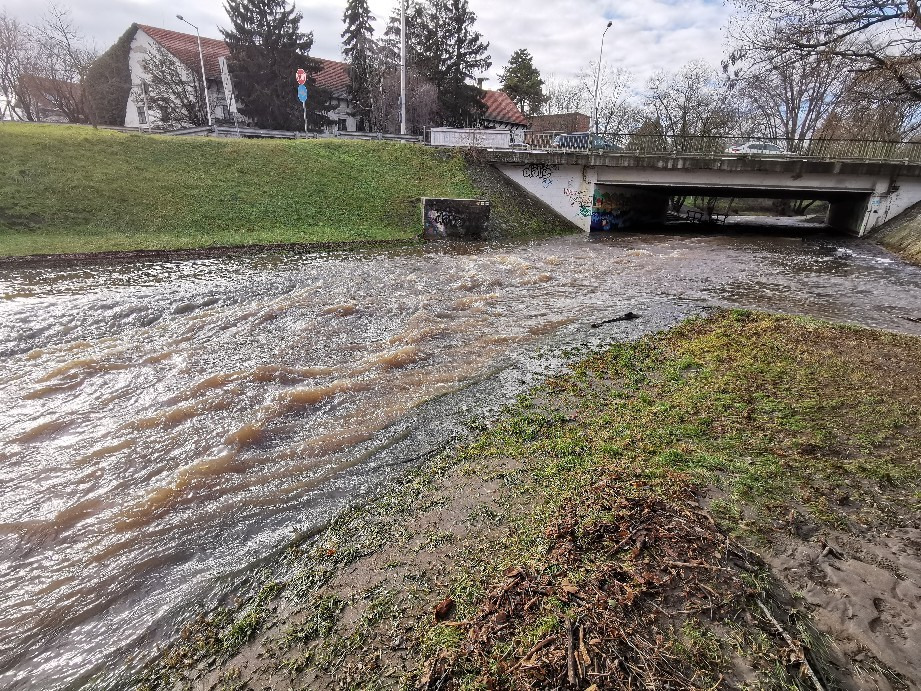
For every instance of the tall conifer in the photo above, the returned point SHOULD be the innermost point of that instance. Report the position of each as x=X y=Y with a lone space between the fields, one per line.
x=465 y=56
x=522 y=82
x=267 y=48
x=360 y=51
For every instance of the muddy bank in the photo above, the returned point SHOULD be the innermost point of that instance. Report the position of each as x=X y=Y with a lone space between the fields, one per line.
x=127 y=256
x=710 y=506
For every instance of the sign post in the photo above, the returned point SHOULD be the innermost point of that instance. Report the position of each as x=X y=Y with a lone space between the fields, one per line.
x=301 y=77
x=302 y=95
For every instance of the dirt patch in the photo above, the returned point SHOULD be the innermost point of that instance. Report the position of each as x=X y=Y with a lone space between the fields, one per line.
x=645 y=593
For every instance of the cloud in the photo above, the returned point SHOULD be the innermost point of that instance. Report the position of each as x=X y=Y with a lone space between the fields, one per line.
x=563 y=35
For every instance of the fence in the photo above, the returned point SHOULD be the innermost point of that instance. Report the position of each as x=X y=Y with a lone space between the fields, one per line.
x=655 y=144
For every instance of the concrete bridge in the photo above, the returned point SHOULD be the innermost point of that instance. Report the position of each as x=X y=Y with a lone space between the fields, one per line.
x=618 y=190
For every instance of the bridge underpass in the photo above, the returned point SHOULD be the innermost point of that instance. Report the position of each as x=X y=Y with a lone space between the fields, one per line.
x=627 y=206
x=633 y=189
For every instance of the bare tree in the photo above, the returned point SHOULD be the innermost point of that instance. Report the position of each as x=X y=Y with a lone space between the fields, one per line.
x=862 y=113
x=62 y=59
x=564 y=96
x=17 y=59
x=421 y=103
x=693 y=102
x=618 y=112
x=175 y=96
x=786 y=99
x=874 y=36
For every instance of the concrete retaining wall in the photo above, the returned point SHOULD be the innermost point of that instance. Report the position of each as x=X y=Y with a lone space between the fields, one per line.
x=458 y=219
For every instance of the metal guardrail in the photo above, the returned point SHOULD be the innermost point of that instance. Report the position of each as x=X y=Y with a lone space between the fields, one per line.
x=378 y=136
x=720 y=146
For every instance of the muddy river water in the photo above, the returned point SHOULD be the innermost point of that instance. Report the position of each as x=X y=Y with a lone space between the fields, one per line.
x=164 y=426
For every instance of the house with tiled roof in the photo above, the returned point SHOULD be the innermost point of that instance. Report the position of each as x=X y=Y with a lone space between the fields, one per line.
x=503 y=114
x=333 y=76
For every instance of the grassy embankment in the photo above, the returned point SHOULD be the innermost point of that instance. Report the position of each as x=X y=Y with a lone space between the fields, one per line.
x=902 y=235
x=76 y=190
x=616 y=529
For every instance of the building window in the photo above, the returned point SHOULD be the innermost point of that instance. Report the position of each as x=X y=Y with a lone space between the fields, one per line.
x=142 y=115
x=343 y=125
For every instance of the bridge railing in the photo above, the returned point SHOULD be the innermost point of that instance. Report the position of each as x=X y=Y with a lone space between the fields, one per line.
x=719 y=146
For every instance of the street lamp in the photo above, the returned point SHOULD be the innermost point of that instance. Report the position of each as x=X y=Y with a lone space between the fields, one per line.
x=598 y=76
x=403 y=67
x=204 y=79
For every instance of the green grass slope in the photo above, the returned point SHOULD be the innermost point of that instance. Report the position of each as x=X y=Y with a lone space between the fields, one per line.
x=75 y=189
x=902 y=234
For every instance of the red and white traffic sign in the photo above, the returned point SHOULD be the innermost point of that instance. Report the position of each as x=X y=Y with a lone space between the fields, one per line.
x=301 y=77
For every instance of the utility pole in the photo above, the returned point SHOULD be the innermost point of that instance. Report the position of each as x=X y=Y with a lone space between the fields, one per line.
x=402 y=66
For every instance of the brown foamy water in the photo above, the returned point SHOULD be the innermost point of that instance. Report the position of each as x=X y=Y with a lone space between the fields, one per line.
x=164 y=426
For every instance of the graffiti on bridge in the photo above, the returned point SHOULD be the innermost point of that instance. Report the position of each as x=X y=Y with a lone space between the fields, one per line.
x=541 y=171
x=580 y=198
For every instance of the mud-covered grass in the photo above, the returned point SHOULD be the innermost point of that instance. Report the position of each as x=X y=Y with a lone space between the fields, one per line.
x=75 y=190
x=671 y=513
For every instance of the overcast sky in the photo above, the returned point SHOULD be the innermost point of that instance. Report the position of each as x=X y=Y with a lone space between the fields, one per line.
x=563 y=35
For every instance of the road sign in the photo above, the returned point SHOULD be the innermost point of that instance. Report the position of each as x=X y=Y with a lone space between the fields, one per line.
x=302 y=93
x=301 y=77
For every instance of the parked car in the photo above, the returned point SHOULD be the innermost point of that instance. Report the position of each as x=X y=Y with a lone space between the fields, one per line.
x=585 y=141
x=761 y=148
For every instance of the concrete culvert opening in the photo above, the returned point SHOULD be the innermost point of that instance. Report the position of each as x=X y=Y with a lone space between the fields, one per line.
x=635 y=207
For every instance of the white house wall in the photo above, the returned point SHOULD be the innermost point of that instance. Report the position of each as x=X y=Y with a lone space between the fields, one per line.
x=141 y=46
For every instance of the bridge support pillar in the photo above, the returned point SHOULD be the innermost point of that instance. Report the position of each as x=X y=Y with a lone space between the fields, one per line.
x=849 y=215
x=622 y=208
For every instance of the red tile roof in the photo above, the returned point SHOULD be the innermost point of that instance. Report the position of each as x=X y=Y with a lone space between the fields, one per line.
x=501 y=108
x=333 y=75
x=185 y=48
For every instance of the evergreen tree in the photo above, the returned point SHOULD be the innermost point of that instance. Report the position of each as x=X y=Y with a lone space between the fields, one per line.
x=522 y=82
x=452 y=53
x=360 y=52
x=390 y=47
x=444 y=49
x=267 y=48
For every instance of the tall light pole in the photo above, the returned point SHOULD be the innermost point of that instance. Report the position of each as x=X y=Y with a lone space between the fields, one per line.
x=403 y=67
x=204 y=79
x=598 y=76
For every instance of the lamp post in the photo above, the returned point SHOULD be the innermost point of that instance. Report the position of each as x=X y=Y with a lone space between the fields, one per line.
x=204 y=79
x=403 y=67
x=598 y=76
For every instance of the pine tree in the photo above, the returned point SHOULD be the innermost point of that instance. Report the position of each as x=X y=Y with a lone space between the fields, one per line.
x=267 y=48
x=444 y=50
x=522 y=82
x=360 y=52
x=451 y=53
